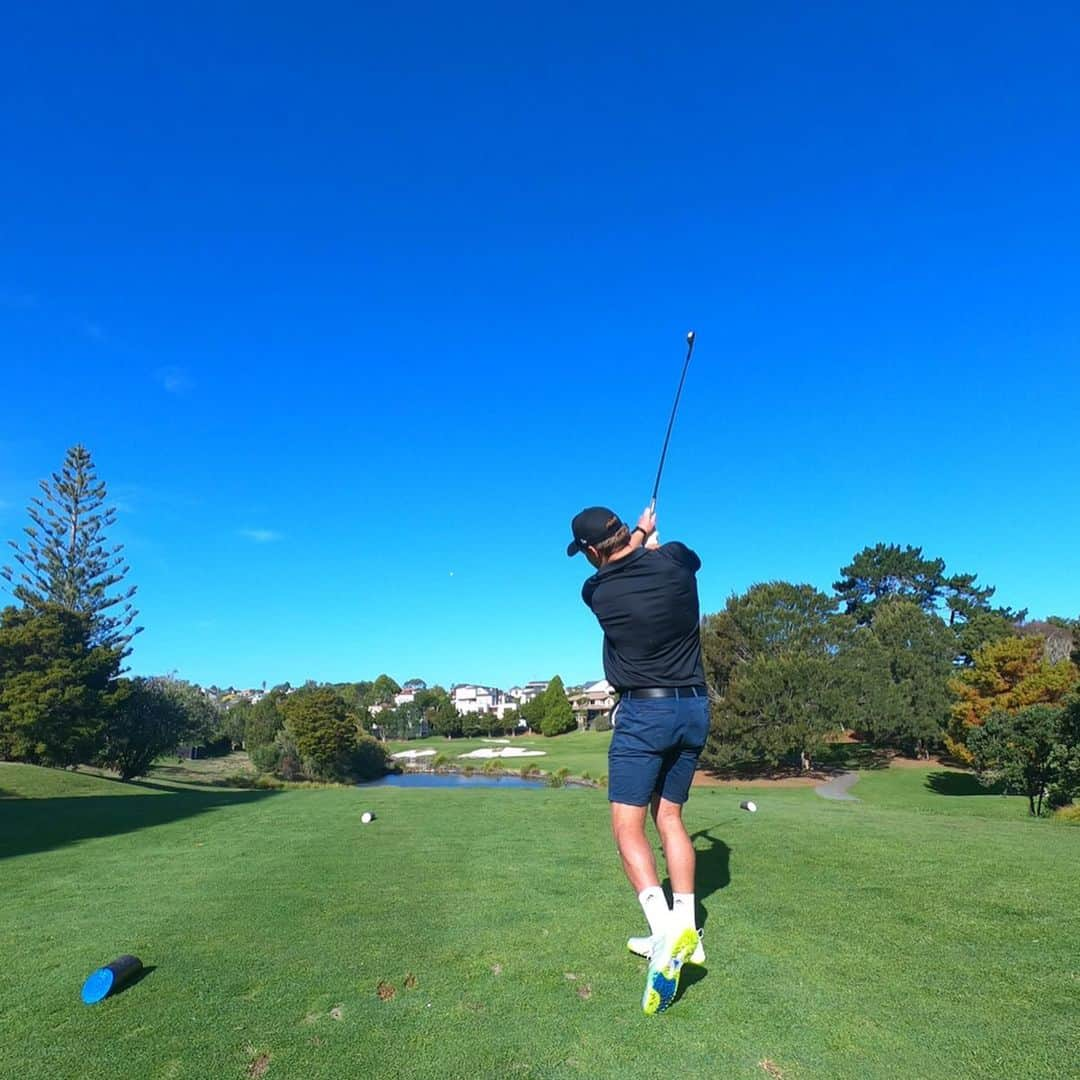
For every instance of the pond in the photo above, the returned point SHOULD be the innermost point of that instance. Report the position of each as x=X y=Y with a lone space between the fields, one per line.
x=450 y=780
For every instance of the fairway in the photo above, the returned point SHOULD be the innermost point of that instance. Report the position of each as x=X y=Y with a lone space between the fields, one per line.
x=871 y=939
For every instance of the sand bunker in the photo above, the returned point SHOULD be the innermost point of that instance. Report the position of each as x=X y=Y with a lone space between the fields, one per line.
x=412 y=755
x=506 y=751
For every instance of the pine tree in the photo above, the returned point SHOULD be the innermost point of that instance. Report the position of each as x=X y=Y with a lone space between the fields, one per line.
x=558 y=716
x=66 y=559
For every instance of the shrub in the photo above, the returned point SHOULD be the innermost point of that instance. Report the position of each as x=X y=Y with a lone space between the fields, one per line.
x=1069 y=814
x=266 y=758
x=318 y=722
x=369 y=759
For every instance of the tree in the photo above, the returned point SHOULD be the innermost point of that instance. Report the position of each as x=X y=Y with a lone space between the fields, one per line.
x=888 y=570
x=1034 y=750
x=532 y=712
x=203 y=718
x=1006 y=675
x=66 y=559
x=383 y=691
x=439 y=711
x=980 y=628
x=53 y=685
x=899 y=667
x=146 y=719
x=776 y=705
x=557 y=717
x=769 y=619
x=263 y=720
x=770 y=662
x=319 y=723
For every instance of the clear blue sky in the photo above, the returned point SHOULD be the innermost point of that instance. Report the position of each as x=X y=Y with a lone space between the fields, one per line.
x=345 y=300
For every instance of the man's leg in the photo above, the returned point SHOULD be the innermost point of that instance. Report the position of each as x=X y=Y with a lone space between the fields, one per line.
x=678 y=847
x=628 y=826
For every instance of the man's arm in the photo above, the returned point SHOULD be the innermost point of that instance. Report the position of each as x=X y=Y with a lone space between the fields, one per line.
x=644 y=529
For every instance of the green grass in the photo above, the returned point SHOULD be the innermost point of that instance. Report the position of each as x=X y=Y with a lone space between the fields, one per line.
x=578 y=751
x=902 y=936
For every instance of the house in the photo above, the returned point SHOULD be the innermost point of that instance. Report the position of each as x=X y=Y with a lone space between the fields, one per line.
x=593 y=704
x=529 y=692
x=469 y=698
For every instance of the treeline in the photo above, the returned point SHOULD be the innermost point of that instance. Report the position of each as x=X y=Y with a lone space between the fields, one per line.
x=64 y=699
x=905 y=656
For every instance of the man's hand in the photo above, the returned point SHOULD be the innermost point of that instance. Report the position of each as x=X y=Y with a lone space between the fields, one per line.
x=647 y=524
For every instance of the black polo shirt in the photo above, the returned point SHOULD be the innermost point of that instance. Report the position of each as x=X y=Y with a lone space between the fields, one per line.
x=647 y=605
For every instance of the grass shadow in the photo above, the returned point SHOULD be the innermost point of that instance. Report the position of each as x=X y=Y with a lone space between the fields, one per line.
x=30 y=825
x=957 y=783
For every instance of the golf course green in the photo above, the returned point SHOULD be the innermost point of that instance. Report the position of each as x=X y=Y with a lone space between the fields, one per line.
x=927 y=930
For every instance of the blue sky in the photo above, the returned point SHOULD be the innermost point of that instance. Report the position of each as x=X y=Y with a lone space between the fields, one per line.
x=355 y=307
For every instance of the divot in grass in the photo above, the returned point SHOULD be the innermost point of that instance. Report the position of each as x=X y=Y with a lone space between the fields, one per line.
x=385 y=991
x=411 y=981
x=337 y=1012
x=258 y=1066
x=772 y=1069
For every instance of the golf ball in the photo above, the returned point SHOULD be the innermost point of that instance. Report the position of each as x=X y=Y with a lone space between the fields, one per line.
x=751 y=806
x=367 y=817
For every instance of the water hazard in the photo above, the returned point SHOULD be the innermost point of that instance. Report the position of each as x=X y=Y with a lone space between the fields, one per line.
x=450 y=780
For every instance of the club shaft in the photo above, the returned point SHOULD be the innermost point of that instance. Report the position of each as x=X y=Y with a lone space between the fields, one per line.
x=671 y=422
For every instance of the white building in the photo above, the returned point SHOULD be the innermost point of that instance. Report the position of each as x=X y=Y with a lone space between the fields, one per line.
x=594 y=702
x=469 y=698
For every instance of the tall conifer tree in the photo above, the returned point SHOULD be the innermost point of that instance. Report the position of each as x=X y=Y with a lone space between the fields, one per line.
x=66 y=559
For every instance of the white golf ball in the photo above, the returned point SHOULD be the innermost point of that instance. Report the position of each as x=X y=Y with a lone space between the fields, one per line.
x=367 y=817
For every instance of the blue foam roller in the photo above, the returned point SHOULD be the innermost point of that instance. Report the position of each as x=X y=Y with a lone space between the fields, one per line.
x=105 y=980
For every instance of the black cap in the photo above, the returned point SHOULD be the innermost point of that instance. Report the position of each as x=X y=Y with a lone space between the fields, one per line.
x=592 y=527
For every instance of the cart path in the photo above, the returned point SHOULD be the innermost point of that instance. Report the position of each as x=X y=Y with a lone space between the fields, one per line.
x=837 y=787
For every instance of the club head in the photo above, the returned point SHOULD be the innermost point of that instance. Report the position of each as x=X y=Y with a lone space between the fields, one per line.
x=690 y=338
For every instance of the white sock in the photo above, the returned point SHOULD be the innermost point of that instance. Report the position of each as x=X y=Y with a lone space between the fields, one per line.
x=654 y=903
x=682 y=909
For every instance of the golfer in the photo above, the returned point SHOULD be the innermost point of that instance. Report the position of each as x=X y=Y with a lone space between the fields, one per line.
x=645 y=598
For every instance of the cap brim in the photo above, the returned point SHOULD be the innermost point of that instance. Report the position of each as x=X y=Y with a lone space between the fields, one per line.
x=573 y=548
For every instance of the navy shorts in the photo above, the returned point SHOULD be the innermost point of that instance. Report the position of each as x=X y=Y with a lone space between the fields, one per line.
x=655 y=748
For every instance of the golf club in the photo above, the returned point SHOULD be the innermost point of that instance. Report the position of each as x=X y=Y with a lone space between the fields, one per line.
x=671 y=422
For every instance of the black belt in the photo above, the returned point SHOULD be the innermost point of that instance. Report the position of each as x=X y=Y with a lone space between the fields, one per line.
x=666 y=691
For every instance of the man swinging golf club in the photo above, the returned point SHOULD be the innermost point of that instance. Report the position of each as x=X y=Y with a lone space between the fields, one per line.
x=645 y=598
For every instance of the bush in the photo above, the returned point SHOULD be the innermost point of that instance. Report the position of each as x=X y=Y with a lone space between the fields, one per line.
x=558 y=778
x=266 y=758
x=319 y=724
x=369 y=760
x=144 y=721
x=1069 y=814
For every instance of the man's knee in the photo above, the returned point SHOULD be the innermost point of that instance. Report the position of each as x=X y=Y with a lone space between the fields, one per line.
x=668 y=817
x=627 y=822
